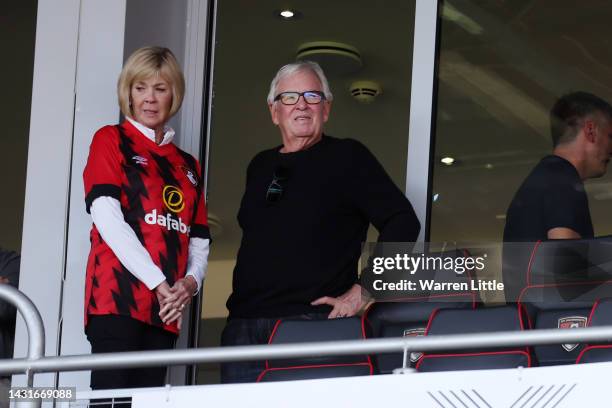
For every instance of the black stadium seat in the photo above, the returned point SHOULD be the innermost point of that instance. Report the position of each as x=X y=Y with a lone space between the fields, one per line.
x=601 y=315
x=564 y=279
x=488 y=320
x=548 y=307
x=404 y=319
x=409 y=315
x=304 y=331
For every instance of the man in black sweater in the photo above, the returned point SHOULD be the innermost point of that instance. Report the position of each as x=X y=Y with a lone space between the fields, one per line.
x=304 y=215
x=552 y=203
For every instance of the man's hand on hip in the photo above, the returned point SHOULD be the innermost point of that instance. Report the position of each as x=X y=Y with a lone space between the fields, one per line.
x=345 y=305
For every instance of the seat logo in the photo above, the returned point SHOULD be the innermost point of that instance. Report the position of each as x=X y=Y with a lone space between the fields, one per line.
x=571 y=322
x=173 y=199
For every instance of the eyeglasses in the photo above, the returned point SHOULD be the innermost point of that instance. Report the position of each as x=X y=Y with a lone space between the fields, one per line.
x=291 y=98
x=276 y=187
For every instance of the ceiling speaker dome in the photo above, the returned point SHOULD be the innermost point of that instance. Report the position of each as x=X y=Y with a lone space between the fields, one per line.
x=335 y=58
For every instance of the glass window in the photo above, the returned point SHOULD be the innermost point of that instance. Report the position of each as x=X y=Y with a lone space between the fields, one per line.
x=501 y=67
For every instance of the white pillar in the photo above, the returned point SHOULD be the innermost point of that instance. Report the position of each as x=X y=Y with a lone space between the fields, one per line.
x=421 y=107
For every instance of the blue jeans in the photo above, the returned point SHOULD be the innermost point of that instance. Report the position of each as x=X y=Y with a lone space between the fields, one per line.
x=244 y=332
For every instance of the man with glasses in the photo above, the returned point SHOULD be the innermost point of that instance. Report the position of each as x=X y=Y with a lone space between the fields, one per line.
x=304 y=215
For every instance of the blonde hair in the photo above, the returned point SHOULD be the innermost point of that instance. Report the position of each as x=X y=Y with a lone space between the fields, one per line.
x=149 y=62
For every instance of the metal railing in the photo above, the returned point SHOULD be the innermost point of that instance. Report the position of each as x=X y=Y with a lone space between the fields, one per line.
x=34 y=326
x=37 y=363
x=278 y=351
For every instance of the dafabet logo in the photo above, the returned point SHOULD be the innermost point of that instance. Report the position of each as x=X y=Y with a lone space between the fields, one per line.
x=174 y=201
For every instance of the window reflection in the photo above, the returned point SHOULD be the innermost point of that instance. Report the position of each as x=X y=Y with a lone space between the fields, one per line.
x=501 y=67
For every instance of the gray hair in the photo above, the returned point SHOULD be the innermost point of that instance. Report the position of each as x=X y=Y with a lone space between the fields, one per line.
x=294 y=67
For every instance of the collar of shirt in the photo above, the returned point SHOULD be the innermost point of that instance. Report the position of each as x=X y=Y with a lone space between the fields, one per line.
x=150 y=133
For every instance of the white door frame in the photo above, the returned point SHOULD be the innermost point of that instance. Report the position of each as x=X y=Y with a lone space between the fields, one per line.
x=421 y=110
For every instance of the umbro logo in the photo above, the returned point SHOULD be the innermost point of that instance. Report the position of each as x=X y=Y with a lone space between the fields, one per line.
x=140 y=160
x=191 y=176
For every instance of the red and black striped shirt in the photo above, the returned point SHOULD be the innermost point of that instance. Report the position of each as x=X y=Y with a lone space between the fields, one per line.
x=160 y=191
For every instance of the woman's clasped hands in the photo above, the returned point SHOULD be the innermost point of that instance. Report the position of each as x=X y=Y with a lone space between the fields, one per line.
x=173 y=300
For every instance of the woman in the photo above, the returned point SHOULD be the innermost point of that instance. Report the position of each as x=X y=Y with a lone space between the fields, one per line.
x=150 y=239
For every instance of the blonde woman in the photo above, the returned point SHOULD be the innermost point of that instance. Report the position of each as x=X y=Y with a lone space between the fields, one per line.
x=150 y=239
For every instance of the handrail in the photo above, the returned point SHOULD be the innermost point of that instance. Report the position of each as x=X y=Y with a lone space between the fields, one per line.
x=33 y=321
x=278 y=351
x=36 y=333
x=35 y=362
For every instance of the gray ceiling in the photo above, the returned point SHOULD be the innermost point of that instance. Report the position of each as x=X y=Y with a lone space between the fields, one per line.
x=495 y=89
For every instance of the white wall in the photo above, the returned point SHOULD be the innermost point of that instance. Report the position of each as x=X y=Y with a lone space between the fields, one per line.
x=47 y=185
x=157 y=22
x=99 y=62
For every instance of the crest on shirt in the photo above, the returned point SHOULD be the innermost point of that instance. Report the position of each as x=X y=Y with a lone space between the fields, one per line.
x=140 y=160
x=417 y=332
x=571 y=322
x=191 y=175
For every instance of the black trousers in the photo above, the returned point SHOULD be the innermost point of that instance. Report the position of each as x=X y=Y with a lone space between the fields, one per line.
x=244 y=332
x=113 y=333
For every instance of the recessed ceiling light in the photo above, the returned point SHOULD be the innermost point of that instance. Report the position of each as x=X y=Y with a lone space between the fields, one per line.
x=447 y=160
x=488 y=166
x=288 y=14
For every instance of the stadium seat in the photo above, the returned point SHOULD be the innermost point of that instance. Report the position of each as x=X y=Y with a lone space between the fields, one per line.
x=601 y=315
x=404 y=319
x=409 y=315
x=548 y=307
x=304 y=331
x=488 y=320
x=564 y=279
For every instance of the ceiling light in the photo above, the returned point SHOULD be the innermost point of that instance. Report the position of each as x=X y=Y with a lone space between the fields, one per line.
x=488 y=166
x=447 y=160
x=500 y=216
x=288 y=14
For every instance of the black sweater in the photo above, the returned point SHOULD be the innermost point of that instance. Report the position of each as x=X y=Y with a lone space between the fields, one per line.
x=307 y=244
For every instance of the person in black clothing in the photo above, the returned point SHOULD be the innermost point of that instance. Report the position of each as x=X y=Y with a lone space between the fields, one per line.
x=9 y=274
x=552 y=203
x=304 y=215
